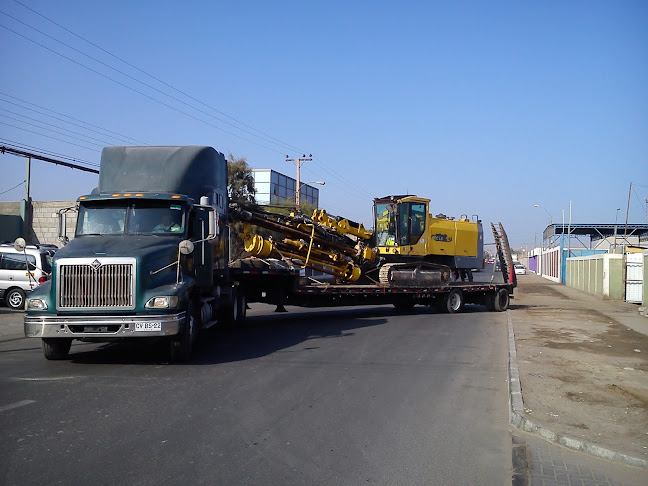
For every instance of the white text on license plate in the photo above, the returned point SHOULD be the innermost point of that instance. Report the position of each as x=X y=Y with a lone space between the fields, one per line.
x=148 y=326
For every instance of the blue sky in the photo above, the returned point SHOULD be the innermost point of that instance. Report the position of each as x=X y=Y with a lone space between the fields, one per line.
x=486 y=108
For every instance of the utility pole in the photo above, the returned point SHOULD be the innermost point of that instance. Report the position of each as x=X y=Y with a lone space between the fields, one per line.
x=298 y=162
x=615 y=227
x=569 y=231
x=25 y=205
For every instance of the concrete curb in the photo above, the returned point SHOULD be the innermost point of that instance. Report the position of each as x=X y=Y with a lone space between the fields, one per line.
x=517 y=418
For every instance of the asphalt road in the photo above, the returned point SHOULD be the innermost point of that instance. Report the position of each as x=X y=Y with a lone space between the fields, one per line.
x=313 y=397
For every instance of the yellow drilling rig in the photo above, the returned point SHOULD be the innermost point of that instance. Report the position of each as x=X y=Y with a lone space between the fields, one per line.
x=408 y=247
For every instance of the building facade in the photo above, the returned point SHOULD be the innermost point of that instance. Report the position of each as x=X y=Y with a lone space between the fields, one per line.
x=273 y=187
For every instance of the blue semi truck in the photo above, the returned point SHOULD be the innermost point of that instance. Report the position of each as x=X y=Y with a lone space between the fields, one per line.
x=149 y=258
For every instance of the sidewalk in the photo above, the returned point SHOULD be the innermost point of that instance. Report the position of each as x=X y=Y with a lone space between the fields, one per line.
x=583 y=370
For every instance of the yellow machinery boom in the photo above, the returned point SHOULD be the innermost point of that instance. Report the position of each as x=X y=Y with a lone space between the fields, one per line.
x=321 y=243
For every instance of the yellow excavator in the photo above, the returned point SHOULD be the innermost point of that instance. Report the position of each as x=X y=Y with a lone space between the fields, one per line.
x=408 y=247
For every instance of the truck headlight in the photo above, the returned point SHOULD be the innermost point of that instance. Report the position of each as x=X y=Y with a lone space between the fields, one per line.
x=162 y=302
x=36 y=304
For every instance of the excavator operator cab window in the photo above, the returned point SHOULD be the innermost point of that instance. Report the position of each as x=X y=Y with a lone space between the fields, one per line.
x=411 y=218
x=400 y=224
x=386 y=215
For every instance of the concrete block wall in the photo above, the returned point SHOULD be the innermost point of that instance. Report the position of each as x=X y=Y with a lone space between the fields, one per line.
x=44 y=221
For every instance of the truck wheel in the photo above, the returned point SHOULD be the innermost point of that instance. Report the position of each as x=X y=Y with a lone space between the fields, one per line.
x=56 y=348
x=230 y=314
x=181 y=345
x=15 y=299
x=453 y=302
x=501 y=300
x=241 y=308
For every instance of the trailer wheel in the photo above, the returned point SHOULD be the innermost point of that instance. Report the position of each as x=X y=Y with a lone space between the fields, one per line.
x=241 y=306
x=56 y=348
x=453 y=302
x=181 y=346
x=501 y=300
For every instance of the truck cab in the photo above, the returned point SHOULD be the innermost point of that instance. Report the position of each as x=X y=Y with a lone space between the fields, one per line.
x=149 y=257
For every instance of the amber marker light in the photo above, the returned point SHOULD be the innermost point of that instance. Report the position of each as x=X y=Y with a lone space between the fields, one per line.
x=115 y=195
x=175 y=196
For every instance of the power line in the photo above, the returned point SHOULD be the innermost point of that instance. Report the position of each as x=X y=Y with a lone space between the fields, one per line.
x=103 y=142
x=156 y=78
x=48 y=136
x=47 y=152
x=128 y=76
x=14 y=187
x=136 y=90
x=267 y=138
x=84 y=126
x=22 y=153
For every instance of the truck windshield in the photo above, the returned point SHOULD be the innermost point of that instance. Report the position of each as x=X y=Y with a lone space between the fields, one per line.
x=139 y=218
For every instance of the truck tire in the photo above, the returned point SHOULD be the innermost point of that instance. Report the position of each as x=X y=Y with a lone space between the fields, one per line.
x=501 y=300
x=15 y=299
x=181 y=346
x=56 y=348
x=453 y=302
x=241 y=305
x=235 y=311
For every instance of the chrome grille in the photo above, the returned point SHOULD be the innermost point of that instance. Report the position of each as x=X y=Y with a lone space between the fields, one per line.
x=96 y=284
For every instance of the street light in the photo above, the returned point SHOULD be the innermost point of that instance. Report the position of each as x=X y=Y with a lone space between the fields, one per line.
x=615 y=227
x=298 y=190
x=550 y=218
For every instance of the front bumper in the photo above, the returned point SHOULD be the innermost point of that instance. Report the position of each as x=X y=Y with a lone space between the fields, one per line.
x=80 y=327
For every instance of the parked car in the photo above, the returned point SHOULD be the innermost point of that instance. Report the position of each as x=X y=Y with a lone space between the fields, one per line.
x=519 y=269
x=21 y=272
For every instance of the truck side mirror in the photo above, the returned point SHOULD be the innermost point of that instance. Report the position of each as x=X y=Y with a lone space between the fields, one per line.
x=213 y=224
x=20 y=244
x=186 y=247
x=212 y=221
x=62 y=226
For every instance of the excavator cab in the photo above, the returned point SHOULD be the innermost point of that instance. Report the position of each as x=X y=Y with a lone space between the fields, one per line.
x=405 y=231
x=400 y=221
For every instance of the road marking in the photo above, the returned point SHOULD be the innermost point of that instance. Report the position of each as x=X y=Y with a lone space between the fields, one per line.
x=16 y=405
x=54 y=378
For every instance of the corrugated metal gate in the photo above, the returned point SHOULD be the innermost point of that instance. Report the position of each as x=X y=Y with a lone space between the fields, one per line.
x=634 y=277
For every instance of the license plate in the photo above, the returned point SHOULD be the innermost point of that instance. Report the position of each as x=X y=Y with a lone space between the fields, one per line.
x=148 y=326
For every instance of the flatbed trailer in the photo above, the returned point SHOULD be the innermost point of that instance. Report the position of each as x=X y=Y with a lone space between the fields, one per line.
x=449 y=298
x=282 y=287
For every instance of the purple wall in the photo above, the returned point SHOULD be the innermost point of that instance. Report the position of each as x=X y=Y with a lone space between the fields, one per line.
x=533 y=264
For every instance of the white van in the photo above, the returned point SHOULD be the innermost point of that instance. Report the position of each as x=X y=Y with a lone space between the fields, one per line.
x=21 y=272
